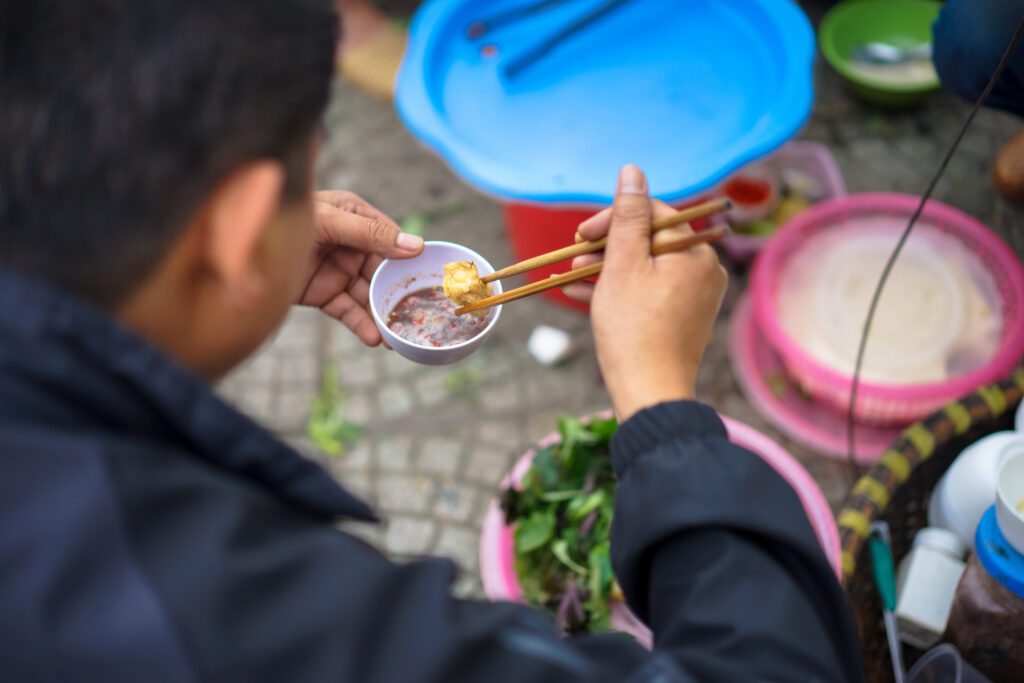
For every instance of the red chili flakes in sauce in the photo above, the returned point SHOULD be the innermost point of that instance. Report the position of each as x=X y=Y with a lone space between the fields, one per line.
x=427 y=318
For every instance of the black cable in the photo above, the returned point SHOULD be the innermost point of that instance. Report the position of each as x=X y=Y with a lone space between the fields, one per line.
x=850 y=422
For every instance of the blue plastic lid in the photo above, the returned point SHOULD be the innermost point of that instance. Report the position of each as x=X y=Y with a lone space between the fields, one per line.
x=998 y=557
x=689 y=90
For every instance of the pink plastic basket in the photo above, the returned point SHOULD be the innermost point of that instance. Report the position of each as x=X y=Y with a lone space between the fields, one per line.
x=497 y=549
x=885 y=403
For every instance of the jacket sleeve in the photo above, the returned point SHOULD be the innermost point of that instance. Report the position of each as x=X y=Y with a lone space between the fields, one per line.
x=711 y=546
x=715 y=553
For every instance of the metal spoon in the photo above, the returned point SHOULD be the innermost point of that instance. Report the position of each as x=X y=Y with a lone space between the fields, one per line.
x=884 y=53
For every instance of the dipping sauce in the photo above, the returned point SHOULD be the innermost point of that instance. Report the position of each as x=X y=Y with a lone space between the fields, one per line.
x=427 y=318
x=746 y=190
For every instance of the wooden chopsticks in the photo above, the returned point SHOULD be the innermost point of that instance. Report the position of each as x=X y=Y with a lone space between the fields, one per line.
x=678 y=218
x=680 y=243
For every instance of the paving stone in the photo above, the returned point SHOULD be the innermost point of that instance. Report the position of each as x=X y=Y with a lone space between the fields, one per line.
x=500 y=432
x=394 y=366
x=260 y=369
x=440 y=455
x=357 y=457
x=404 y=492
x=455 y=502
x=358 y=406
x=357 y=482
x=301 y=329
x=356 y=368
x=462 y=545
x=540 y=424
x=500 y=397
x=291 y=412
x=393 y=453
x=301 y=369
x=343 y=344
x=431 y=389
x=394 y=400
x=408 y=535
x=255 y=401
x=489 y=464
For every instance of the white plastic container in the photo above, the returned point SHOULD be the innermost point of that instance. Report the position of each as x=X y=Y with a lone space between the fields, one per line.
x=1010 y=502
x=549 y=345
x=926 y=585
x=396 y=278
x=1018 y=421
x=968 y=488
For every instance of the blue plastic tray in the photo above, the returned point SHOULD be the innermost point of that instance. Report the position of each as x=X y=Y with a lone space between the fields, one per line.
x=689 y=90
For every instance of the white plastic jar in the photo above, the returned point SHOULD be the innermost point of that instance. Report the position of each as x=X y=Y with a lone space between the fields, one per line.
x=926 y=585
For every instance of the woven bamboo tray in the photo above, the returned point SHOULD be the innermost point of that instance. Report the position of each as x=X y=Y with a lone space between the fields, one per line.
x=896 y=489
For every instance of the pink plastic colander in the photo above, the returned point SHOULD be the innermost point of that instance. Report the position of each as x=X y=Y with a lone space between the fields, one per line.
x=881 y=403
x=497 y=547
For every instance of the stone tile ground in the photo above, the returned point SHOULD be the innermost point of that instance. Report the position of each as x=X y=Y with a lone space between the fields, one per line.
x=431 y=459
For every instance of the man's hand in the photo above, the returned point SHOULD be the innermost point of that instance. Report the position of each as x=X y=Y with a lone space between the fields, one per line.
x=652 y=315
x=352 y=238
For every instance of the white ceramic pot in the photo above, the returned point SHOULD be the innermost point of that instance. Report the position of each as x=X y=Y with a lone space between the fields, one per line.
x=1010 y=501
x=968 y=488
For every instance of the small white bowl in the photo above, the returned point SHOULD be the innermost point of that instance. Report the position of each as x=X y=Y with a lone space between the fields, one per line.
x=396 y=278
x=968 y=488
x=1010 y=492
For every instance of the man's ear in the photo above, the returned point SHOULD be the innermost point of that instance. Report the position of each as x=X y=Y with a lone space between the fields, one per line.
x=238 y=213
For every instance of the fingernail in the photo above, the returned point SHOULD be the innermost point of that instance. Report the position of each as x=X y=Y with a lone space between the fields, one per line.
x=631 y=180
x=407 y=242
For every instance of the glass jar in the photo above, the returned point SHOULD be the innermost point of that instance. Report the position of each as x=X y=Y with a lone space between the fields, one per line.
x=987 y=619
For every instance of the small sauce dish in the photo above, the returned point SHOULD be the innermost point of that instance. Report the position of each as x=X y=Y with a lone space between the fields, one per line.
x=396 y=279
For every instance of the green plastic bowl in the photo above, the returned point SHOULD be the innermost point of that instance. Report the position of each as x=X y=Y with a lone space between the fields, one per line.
x=903 y=23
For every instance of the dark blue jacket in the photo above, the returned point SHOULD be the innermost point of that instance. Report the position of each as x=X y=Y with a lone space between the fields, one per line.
x=148 y=532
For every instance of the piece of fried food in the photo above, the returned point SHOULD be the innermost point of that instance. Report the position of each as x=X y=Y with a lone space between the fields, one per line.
x=463 y=286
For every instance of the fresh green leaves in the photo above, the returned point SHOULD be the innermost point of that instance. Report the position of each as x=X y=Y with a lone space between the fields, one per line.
x=562 y=520
x=599 y=585
x=327 y=427
x=582 y=505
x=561 y=550
x=414 y=223
x=535 y=531
x=464 y=383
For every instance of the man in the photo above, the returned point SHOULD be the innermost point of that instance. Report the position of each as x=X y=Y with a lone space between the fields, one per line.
x=970 y=38
x=156 y=223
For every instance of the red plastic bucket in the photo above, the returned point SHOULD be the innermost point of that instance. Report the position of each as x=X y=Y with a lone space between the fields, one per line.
x=535 y=229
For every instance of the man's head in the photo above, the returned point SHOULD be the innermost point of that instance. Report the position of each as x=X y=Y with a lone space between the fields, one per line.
x=145 y=143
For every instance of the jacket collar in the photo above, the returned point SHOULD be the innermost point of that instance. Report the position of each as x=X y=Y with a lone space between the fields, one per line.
x=95 y=371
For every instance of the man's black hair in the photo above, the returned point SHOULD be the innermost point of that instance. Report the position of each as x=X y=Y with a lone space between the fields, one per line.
x=118 y=117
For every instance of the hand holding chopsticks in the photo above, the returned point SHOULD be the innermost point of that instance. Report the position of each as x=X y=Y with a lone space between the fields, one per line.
x=675 y=244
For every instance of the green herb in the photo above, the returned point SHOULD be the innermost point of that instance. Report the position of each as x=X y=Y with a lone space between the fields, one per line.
x=562 y=518
x=328 y=428
x=535 y=531
x=417 y=222
x=464 y=383
x=414 y=224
